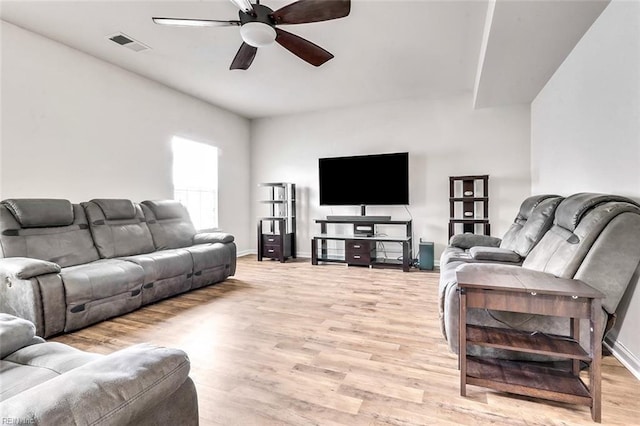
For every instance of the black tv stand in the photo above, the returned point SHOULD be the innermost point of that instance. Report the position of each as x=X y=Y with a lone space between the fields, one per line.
x=360 y=248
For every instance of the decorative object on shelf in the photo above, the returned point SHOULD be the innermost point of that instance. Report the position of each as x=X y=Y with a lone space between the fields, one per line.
x=469 y=204
x=360 y=248
x=277 y=240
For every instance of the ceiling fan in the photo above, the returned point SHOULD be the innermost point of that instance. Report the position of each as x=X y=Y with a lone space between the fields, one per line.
x=258 y=27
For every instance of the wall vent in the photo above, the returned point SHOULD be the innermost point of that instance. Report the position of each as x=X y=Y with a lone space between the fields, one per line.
x=128 y=42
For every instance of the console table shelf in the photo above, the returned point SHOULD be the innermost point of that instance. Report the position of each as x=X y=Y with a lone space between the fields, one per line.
x=524 y=341
x=526 y=379
x=360 y=249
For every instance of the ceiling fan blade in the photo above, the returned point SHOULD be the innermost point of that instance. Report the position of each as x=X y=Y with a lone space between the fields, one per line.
x=302 y=48
x=243 y=5
x=305 y=11
x=182 y=22
x=244 y=57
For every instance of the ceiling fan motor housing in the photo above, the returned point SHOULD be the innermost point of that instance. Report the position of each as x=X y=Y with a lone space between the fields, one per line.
x=258 y=28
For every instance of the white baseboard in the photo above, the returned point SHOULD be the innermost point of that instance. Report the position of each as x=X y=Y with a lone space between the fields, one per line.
x=625 y=356
x=245 y=253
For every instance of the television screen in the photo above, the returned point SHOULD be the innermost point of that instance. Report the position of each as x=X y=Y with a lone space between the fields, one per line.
x=365 y=180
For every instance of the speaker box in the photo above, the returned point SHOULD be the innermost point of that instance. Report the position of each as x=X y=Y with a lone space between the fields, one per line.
x=425 y=256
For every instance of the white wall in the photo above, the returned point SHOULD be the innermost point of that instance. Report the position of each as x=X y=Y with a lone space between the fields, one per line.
x=585 y=127
x=78 y=128
x=443 y=137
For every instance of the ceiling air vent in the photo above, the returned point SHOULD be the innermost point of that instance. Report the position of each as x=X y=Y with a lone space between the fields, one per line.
x=126 y=41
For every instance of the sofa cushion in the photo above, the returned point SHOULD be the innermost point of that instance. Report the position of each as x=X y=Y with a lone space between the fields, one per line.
x=16 y=378
x=163 y=264
x=40 y=212
x=100 y=290
x=114 y=209
x=167 y=272
x=118 y=228
x=35 y=364
x=166 y=209
x=65 y=245
x=539 y=219
x=173 y=229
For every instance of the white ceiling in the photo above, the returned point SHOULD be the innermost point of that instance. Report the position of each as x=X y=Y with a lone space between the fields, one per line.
x=526 y=41
x=384 y=50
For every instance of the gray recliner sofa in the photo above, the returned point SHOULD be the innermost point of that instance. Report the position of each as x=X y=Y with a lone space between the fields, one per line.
x=594 y=238
x=533 y=220
x=48 y=383
x=65 y=266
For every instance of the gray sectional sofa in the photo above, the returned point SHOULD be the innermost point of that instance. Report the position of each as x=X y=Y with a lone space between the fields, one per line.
x=65 y=266
x=48 y=383
x=594 y=238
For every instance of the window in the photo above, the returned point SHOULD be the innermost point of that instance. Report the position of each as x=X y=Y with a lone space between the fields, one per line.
x=195 y=180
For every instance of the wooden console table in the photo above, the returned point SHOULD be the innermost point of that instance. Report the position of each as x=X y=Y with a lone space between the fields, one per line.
x=541 y=294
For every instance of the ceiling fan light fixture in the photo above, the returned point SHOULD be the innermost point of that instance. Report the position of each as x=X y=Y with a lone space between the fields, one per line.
x=258 y=34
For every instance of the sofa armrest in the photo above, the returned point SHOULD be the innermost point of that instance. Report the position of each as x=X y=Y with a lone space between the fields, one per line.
x=24 y=268
x=111 y=390
x=212 y=237
x=494 y=254
x=466 y=241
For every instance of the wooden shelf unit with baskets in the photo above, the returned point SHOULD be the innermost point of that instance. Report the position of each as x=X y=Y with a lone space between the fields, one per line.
x=469 y=204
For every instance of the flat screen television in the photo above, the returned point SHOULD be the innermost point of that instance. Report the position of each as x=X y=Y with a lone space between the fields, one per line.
x=381 y=179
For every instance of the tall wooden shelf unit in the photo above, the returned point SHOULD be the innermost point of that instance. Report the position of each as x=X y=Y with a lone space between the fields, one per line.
x=277 y=231
x=469 y=204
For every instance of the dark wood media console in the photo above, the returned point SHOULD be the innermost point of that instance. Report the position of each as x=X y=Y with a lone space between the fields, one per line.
x=360 y=247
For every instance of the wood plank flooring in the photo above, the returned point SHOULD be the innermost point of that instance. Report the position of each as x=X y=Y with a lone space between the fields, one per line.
x=296 y=344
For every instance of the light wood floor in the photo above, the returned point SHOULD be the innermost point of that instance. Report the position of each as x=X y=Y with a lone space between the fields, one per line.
x=298 y=344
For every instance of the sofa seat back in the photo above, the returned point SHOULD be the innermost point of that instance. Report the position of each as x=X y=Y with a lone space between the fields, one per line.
x=594 y=238
x=533 y=220
x=169 y=223
x=47 y=229
x=118 y=227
